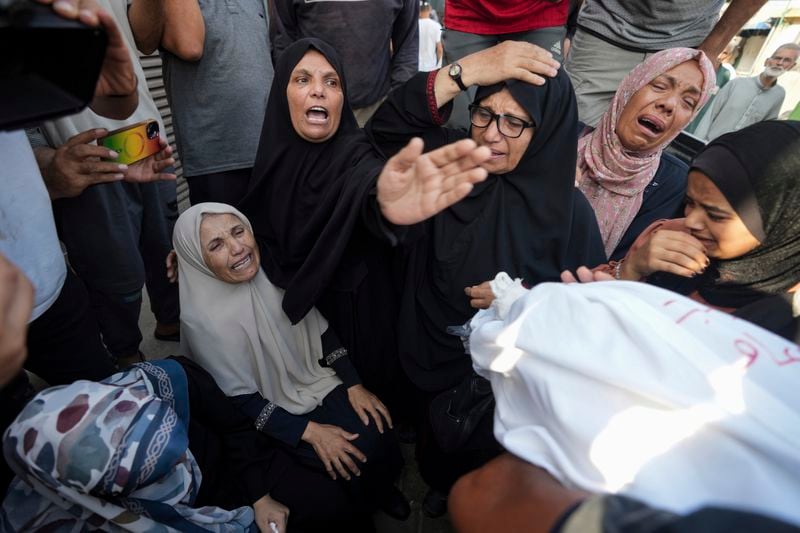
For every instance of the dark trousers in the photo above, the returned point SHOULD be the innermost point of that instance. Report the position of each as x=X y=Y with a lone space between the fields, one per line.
x=227 y=187
x=117 y=237
x=63 y=346
x=384 y=459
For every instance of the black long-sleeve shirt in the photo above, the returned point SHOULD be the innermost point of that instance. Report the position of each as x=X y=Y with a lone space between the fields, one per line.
x=279 y=423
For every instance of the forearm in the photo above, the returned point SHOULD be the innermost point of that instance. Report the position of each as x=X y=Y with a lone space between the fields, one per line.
x=737 y=14
x=146 y=18
x=446 y=89
x=44 y=158
x=118 y=107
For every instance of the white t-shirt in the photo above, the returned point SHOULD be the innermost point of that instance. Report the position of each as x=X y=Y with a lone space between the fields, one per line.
x=430 y=33
x=27 y=231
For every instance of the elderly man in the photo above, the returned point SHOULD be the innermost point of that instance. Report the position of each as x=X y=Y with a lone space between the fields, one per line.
x=745 y=101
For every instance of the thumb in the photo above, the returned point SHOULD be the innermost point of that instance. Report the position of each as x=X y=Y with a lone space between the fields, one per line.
x=86 y=137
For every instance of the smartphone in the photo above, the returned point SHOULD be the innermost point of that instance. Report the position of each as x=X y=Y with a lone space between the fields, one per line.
x=133 y=143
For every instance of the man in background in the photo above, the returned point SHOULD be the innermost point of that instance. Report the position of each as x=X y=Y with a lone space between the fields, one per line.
x=430 y=40
x=745 y=101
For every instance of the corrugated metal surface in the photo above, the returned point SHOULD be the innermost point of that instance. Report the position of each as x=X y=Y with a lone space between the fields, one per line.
x=152 y=71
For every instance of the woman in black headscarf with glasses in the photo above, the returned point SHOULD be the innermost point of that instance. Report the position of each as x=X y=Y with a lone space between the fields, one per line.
x=738 y=247
x=526 y=219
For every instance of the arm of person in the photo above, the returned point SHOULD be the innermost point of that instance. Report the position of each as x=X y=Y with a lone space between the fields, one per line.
x=16 y=305
x=175 y=25
x=405 y=44
x=663 y=200
x=510 y=494
x=439 y=52
x=364 y=403
x=115 y=94
x=665 y=246
x=736 y=16
x=77 y=164
x=422 y=105
x=272 y=419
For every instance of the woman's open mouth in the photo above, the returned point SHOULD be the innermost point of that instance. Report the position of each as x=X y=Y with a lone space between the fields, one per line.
x=242 y=263
x=652 y=125
x=317 y=115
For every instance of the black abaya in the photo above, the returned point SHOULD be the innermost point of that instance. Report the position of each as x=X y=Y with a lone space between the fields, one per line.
x=531 y=222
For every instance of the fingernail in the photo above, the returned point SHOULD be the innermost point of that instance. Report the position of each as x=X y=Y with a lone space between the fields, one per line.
x=112 y=154
x=123 y=167
x=64 y=7
x=100 y=131
x=118 y=176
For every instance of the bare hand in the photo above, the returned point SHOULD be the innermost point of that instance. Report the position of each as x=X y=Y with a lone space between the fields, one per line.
x=16 y=304
x=509 y=60
x=333 y=447
x=676 y=252
x=149 y=169
x=365 y=404
x=117 y=77
x=268 y=510
x=585 y=275
x=172 y=266
x=480 y=296
x=414 y=186
x=77 y=164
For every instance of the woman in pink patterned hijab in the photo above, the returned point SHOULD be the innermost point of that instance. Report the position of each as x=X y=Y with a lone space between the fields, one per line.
x=619 y=159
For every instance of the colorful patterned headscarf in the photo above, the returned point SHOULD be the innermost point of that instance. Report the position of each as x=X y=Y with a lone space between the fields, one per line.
x=112 y=456
x=613 y=179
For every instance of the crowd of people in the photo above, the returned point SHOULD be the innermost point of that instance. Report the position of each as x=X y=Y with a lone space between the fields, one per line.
x=353 y=202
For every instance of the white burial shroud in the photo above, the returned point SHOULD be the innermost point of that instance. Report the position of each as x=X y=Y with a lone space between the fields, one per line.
x=626 y=388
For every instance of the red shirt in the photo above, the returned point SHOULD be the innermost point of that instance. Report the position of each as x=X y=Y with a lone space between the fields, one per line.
x=493 y=17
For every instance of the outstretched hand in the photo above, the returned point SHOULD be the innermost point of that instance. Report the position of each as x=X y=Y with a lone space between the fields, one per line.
x=414 y=186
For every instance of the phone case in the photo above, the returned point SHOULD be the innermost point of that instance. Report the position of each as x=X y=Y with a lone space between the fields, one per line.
x=133 y=143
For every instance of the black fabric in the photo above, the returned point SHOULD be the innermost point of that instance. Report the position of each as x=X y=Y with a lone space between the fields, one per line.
x=531 y=223
x=758 y=171
x=304 y=203
x=226 y=187
x=240 y=465
x=298 y=197
x=622 y=514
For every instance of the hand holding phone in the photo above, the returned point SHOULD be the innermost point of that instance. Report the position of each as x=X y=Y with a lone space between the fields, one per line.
x=135 y=142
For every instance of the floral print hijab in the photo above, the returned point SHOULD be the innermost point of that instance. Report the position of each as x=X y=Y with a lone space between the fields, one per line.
x=110 y=456
x=613 y=179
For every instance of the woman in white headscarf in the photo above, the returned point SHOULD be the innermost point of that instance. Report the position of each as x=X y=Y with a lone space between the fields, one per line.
x=294 y=381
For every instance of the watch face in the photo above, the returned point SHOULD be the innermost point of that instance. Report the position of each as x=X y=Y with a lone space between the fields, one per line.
x=455 y=70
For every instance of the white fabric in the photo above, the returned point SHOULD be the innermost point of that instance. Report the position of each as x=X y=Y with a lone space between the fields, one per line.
x=627 y=388
x=239 y=332
x=430 y=33
x=27 y=229
x=60 y=130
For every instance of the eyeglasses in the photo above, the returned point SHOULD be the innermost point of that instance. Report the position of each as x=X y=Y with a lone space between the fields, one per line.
x=508 y=125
